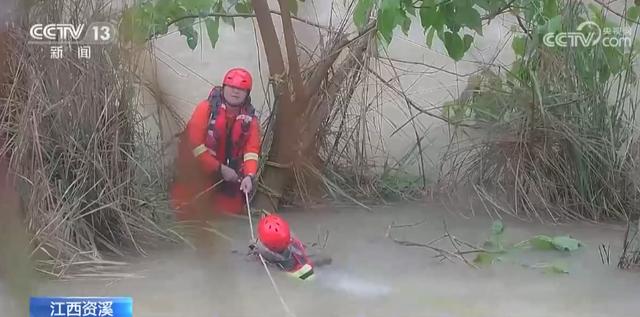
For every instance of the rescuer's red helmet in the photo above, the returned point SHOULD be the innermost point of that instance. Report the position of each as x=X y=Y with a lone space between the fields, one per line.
x=238 y=78
x=274 y=233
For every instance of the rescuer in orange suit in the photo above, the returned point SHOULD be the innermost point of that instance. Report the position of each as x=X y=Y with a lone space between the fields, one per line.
x=221 y=142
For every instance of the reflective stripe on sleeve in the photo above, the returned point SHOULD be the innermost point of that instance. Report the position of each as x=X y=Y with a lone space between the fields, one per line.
x=199 y=150
x=250 y=156
x=304 y=272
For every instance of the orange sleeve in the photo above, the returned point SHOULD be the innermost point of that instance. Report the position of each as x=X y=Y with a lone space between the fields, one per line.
x=252 y=148
x=196 y=132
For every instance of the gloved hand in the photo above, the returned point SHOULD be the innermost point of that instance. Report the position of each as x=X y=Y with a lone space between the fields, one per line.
x=246 y=185
x=228 y=174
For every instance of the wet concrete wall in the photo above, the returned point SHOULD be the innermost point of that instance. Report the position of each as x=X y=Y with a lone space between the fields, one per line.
x=185 y=76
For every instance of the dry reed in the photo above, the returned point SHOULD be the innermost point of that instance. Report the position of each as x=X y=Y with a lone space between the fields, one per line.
x=71 y=128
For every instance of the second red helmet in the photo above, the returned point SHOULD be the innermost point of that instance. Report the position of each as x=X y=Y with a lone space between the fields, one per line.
x=239 y=78
x=274 y=233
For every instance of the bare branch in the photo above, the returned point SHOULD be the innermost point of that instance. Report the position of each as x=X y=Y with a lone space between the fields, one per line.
x=523 y=27
x=606 y=6
x=455 y=246
x=412 y=103
x=314 y=82
x=442 y=253
x=498 y=12
x=246 y=15
x=430 y=66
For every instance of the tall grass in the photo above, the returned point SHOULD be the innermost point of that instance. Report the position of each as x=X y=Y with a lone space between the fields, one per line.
x=559 y=129
x=70 y=128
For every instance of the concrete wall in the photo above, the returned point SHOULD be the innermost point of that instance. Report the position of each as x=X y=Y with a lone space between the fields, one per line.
x=186 y=76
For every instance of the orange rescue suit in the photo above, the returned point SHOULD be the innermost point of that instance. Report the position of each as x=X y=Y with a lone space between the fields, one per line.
x=216 y=134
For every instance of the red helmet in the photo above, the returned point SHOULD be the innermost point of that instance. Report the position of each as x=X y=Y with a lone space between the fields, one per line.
x=239 y=78
x=273 y=232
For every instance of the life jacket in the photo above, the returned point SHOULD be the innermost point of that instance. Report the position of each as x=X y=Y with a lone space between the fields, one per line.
x=293 y=259
x=228 y=147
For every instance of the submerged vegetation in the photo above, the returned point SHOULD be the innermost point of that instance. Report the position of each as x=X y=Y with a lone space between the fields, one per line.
x=495 y=250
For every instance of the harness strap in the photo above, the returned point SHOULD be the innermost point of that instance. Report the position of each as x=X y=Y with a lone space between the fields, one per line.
x=215 y=102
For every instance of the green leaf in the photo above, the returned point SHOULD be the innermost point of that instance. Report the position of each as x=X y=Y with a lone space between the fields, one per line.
x=426 y=13
x=192 y=40
x=360 y=14
x=469 y=17
x=614 y=59
x=448 y=11
x=387 y=19
x=497 y=228
x=185 y=24
x=454 y=45
x=550 y=8
x=554 y=24
x=542 y=242
x=407 y=5
x=244 y=7
x=197 y=6
x=293 y=6
x=405 y=24
x=186 y=28
x=390 y=4
x=484 y=4
x=604 y=73
x=566 y=243
x=166 y=8
x=633 y=13
x=484 y=259
x=230 y=21
x=598 y=14
x=557 y=268
x=430 y=15
x=128 y=26
x=440 y=34
x=519 y=44
x=430 y=37
x=159 y=28
x=213 y=26
x=496 y=237
x=468 y=40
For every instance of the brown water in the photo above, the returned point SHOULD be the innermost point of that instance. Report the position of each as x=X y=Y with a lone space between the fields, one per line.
x=372 y=276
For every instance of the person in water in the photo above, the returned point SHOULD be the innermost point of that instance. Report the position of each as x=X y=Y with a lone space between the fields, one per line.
x=279 y=247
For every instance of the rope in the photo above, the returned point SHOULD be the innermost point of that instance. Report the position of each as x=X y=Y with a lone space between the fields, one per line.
x=264 y=263
x=206 y=190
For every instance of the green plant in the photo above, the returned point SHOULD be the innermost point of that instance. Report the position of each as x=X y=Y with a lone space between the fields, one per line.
x=559 y=124
x=151 y=18
x=400 y=185
x=494 y=248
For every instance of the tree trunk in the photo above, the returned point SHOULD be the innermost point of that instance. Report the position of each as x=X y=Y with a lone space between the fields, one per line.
x=300 y=108
x=276 y=178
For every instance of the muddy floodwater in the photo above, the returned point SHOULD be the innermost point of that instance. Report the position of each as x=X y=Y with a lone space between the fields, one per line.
x=373 y=276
